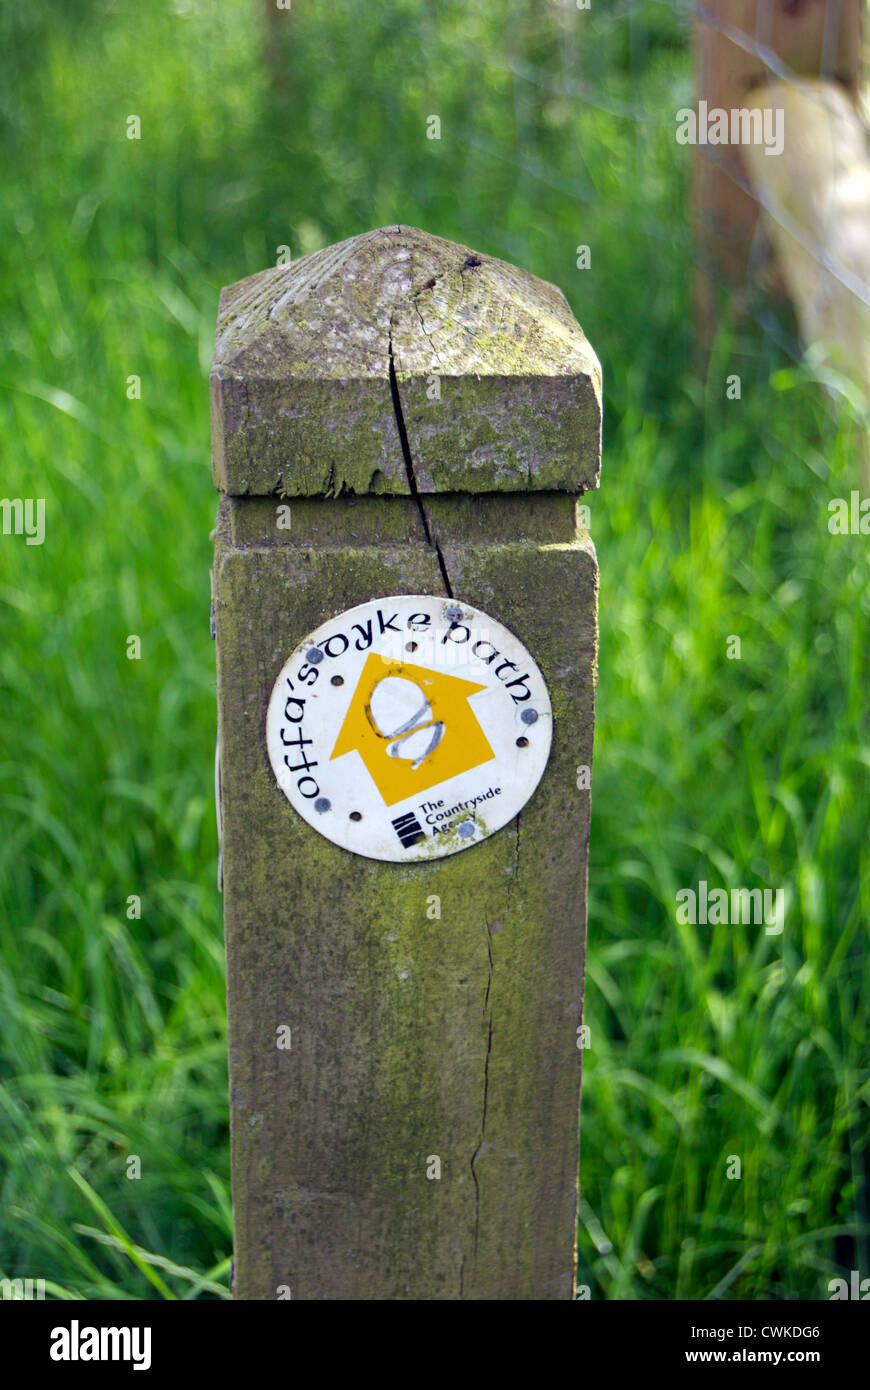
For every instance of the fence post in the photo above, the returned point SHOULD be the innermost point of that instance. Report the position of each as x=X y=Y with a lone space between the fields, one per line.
x=405 y=611
x=735 y=42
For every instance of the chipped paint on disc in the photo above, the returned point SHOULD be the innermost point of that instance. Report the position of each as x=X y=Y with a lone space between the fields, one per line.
x=409 y=728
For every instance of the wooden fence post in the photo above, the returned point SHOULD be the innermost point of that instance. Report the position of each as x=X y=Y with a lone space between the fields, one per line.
x=401 y=427
x=734 y=40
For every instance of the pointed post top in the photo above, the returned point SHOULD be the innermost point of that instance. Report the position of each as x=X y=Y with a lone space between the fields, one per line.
x=397 y=362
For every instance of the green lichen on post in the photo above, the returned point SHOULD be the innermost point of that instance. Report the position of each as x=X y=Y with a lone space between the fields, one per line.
x=499 y=386
x=402 y=1067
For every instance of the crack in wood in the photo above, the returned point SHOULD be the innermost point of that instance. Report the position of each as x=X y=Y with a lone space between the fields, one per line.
x=409 y=469
x=487 y=1014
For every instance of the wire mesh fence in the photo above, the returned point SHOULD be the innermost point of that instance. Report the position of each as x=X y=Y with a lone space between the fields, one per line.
x=573 y=107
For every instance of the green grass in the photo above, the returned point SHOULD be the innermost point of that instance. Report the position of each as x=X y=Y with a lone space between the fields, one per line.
x=711 y=521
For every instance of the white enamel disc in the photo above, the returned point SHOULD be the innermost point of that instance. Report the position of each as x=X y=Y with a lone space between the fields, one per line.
x=409 y=728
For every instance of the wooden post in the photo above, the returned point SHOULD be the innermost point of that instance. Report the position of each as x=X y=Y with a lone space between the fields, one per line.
x=398 y=415
x=732 y=41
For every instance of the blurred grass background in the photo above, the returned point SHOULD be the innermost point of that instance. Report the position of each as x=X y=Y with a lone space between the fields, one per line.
x=261 y=129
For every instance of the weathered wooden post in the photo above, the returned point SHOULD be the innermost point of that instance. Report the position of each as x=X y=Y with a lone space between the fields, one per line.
x=405 y=615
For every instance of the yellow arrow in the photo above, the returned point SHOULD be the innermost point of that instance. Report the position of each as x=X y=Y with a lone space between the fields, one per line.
x=462 y=746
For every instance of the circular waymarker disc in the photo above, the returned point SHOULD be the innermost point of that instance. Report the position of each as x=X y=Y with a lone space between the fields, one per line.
x=409 y=728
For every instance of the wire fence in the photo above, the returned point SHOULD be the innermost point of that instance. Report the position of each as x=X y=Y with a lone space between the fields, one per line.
x=592 y=36
x=561 y=117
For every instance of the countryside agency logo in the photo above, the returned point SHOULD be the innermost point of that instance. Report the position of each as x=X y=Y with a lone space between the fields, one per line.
x=409 y=728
